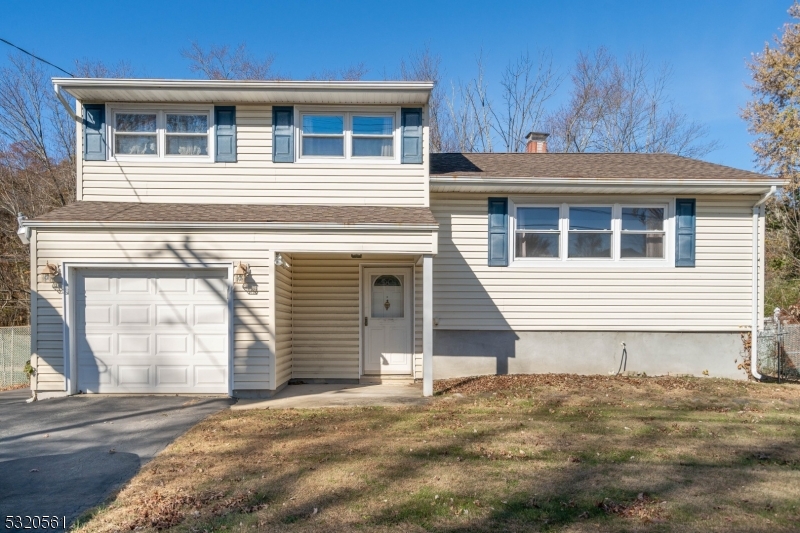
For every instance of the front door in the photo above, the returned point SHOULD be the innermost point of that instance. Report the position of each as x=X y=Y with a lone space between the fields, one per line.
x=387 y=320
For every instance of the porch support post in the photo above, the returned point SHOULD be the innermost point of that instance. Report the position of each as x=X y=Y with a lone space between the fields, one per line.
x=427 y=325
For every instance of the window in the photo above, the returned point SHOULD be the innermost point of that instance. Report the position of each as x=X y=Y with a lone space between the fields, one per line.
x=348 y=135
x=592 y=234
x=164 y=133
x=373 y=136
x=642 y=233
x=537 y=232
x=323 y=135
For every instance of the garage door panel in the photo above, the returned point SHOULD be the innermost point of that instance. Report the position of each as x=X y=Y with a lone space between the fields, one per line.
x=128 y=285
x=172 y=345
x=209 y=375
x=216 y=314
x=210 y=344
x=152 y=331
x=133 y=374
x=172 y=285
x=134 y=315
x=134 y=344
x=172 y=375
x=98 y=314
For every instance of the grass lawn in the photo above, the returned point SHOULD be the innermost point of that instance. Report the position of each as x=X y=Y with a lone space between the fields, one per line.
x=508 y=453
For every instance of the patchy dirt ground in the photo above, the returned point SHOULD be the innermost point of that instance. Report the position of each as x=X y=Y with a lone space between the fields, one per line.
x=506 y=453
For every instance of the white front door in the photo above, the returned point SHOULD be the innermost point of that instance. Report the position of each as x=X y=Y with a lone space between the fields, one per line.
x=387 y=322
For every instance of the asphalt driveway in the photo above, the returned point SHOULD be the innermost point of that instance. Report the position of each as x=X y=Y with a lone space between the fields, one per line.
x=63 y=456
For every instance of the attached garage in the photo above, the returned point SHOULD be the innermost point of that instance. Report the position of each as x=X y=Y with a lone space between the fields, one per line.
x=152 y=331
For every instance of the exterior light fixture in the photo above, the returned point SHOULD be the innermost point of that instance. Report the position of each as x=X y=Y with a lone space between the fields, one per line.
x=241 y=272
x=281 y=261
x=49 y=272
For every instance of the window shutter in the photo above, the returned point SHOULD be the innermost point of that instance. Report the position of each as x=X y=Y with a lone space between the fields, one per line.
x=498 y=231
x=283 y=134
x=685 y=229
x=412 y=135
x=225 y=126
x=94 y=132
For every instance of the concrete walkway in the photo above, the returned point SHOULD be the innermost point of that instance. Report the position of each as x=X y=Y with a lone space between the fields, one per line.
x=314 y=396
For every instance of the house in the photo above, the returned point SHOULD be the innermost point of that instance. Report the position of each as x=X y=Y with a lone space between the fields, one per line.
x=231 y=236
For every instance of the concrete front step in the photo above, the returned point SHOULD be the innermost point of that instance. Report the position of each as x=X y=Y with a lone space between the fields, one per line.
x=386 y=380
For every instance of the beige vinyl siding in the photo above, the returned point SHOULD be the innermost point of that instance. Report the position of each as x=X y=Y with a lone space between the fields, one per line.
x=283 y=322
x=254 y=178
x=713 y=296
x=326 y=321
x=252 y=354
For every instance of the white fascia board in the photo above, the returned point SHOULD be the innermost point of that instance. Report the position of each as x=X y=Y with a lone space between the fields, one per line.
x=246 y=91
x=226 y=226
x=562 y=182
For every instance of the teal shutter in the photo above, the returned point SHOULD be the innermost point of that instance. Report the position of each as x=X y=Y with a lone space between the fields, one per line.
x=498 y=232
x=94 y=132
x=685 y=230
x=283 y=134
x=412 y=135
x=225 y=127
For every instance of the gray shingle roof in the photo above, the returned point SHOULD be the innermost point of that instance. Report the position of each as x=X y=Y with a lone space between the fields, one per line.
x=586 y=166
x=231 y=213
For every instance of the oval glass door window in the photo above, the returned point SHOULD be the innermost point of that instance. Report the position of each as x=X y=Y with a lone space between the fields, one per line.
x=387 y=297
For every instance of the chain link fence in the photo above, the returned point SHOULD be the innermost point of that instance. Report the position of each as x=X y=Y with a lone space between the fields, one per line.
x=779 y=350
x=15 y=351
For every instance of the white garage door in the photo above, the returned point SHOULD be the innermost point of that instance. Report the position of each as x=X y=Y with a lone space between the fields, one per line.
x=152 y=331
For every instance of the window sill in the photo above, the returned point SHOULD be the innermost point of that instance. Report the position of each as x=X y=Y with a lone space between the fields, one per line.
x=598 y=264
x=167 y=160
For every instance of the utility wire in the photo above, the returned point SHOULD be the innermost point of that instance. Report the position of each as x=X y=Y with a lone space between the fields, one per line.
x=37 y=57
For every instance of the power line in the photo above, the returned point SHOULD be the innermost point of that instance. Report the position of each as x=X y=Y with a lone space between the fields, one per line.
x=37 y=57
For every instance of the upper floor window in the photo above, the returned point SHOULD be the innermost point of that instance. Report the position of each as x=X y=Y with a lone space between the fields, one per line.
x=181 y=134
x=348 y=135
x=589 y=234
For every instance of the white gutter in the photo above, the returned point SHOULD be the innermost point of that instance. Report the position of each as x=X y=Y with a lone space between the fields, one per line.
x=555 y=181
x=754 y=327
x=226 y=226
x=156 y=83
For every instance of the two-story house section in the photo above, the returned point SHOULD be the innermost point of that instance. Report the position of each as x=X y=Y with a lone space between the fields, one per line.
x=231 y=236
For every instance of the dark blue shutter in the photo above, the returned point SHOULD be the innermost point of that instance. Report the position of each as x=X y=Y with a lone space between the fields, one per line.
x=283 y=134
x=94 y=132
x=412 y=135
x=498 y=231
x=225 y=125
x=685 y=229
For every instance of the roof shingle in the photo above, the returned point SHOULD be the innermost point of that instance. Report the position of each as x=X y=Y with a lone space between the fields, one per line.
x=583 y=166
x=231 y=213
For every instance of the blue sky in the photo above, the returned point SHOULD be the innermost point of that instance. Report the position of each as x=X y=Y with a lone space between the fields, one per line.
x=707 y=42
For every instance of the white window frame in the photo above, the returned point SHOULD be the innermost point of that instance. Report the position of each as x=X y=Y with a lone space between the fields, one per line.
x=347 y=113
x=560 y=232
x=161 y=112
x=615 y=261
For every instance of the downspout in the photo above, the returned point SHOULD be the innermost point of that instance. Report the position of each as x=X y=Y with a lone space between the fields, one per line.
x=754 y=328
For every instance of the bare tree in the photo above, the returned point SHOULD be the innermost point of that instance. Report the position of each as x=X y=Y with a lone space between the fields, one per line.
x=222 y=63
x=527 y=85
x=37 y=165
x=623 y=107
x=424 y=65
x=354 y=72
x=470 y=113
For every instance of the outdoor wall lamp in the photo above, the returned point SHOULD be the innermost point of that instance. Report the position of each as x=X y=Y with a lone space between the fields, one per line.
x=49 y=272
x=281 y=261
x=241 y=272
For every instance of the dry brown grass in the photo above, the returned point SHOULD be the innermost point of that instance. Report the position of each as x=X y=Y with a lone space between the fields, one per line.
x=508 y=453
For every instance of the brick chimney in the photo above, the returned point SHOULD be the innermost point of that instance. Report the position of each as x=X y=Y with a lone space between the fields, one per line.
x=537 y=143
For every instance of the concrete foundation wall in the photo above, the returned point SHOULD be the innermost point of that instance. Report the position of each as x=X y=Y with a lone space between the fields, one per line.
x=459 y=353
